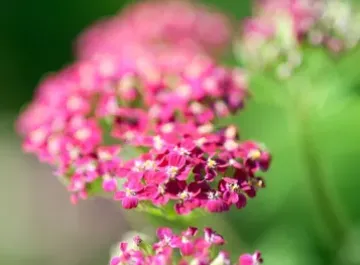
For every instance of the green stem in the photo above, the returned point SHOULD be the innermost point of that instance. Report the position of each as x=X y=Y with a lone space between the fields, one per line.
x=324 y=199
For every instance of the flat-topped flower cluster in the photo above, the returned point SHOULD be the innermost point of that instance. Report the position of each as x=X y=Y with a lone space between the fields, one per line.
x=84 y=119
x=136 y=117
x=81 y=119
x=186 y=248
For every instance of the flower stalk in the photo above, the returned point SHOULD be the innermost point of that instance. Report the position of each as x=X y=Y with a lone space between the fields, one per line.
x=325 y=199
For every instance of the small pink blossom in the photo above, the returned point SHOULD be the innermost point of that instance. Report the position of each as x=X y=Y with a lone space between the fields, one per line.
x=129 y=196
x=251 y=259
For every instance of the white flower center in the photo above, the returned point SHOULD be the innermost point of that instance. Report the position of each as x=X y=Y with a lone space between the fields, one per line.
x=149 y=165
x=211 y=163
x=172 y=171
x=185 y=195
x=129 y=192
x=82 y=134
x=254 y=154
x=182 y=151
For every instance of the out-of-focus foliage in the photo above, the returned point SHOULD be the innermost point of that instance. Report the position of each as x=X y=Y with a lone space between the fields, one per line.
x=286 y=222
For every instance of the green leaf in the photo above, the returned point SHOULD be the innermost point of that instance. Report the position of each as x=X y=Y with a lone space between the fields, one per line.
x=95 y=188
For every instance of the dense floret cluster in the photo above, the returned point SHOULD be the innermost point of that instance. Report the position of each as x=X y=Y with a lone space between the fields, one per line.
x=82 y=118
x=136 y=116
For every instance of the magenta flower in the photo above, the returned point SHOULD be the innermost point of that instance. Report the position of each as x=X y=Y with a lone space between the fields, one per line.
x=212 y=237
x=145 y=115
x=167 y=240
x=251 y=259
x=77 y=187
x=214 y=202
x=186 y=242
x=189 y=196
x=128 y=256
x=130 y=195
x=137 y=115
x=233 y=192
x=175 y=166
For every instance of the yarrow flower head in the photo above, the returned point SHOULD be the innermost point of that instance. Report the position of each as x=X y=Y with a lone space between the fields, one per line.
x=135 y=118
x=85 y=124
x=83 y=118
x=279 y=30
x=88 y=118
x=186 y=248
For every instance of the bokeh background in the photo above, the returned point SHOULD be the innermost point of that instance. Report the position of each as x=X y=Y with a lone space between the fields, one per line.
x=39 y=226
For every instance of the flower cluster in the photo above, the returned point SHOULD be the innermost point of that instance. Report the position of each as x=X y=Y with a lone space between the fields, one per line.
x=279 y=29
x=194 y=170
x=79 y=121
x=135 y=118
x=86 y=119
x=186 y=248
x=152 y=29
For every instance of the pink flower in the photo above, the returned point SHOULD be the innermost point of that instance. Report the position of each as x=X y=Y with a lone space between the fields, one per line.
x=212 y=237
x=251 y=259
x=128 y=96
x=214 y=202
x=175 y=166
x=167 y=240
x=130 y=195
x=189 y=197
x=77 y=189
x=186 y=243
x=128 y=255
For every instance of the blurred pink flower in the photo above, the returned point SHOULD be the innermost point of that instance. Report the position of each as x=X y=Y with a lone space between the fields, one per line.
x=185 y=248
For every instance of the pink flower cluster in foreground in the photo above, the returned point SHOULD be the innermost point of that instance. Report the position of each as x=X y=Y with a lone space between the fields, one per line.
x=193 y=249
x=135 y=118
x=279 y=28
x=82 y=117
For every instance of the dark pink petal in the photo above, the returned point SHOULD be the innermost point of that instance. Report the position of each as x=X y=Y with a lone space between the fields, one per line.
x=164 y=232
x=130 y=202
x=123 y=246
x=216 y=206
x=247 y=259
x=119 y=195
x=241 y=203
x=212 y=237
x=183 y=208
x=230 y=197
x=155 y=177
x=190 y=232
x=187 y=248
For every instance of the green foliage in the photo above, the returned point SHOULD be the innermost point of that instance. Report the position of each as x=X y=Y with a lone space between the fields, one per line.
x=323 y=94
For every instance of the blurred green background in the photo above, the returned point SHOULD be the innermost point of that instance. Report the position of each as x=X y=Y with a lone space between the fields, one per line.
x=286 y=221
